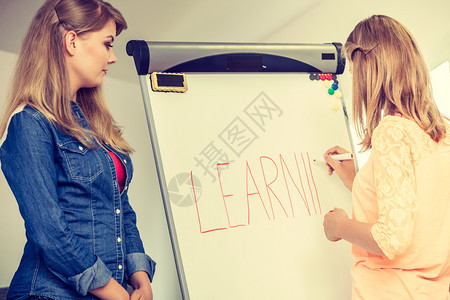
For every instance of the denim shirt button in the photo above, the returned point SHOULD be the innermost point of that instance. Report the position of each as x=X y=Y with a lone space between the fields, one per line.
x=125 y=188
x=119 y=239
x=81 y=148
x=125 y=161
x=120 y=267
x=117 y=211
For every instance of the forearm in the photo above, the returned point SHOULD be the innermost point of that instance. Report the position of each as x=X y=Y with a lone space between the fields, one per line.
x=359 y=234
x=112 y=290
x=141 y=284
x=139 y=279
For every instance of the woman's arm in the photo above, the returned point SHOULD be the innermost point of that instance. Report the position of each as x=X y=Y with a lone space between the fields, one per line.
x=336 y=223
x=111 y=291
x=345 y=169
x=338 y=226
x=141 y=285
x=136 y=258
x=394 y=179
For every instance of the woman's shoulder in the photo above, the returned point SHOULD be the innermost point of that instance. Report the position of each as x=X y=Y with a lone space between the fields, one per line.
x=397 y=127
x=28 y=120
x=27 y=111
x=398 y=122
x=28 y=115
x=395 y=132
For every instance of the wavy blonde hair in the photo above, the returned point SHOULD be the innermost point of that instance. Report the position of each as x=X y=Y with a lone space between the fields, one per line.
x=41 y=78
x=389 y=76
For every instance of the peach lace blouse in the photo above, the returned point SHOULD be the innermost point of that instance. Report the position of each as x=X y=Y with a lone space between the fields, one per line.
x=404 y=189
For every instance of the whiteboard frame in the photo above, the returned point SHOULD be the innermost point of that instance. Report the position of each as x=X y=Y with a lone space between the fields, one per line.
x=163 y=187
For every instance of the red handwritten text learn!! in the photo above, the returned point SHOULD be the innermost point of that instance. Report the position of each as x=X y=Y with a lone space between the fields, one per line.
x=302 y=186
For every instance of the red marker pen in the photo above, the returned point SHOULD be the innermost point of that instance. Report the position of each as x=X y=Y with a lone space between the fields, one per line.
x=340 y=157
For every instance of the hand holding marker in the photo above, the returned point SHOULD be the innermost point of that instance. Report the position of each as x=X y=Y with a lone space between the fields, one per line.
x=342 y=163
x=338 y=157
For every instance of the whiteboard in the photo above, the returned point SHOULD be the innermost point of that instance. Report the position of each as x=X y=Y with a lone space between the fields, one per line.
x=243 y=197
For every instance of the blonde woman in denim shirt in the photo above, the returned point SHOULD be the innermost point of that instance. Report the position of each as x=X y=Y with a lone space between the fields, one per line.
x=67 y=163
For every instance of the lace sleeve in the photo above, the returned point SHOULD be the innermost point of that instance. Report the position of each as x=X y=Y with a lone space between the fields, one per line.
x=395 y=186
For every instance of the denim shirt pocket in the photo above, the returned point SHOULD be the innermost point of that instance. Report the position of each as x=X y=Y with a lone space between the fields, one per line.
x=83 y=164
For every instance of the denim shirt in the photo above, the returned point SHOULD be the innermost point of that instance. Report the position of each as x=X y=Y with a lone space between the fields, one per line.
x=80 y=229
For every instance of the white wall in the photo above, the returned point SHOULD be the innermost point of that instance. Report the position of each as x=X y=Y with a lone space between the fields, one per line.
x=12 y=233
x=332 y=21
x=440 y=78
x=125 y=101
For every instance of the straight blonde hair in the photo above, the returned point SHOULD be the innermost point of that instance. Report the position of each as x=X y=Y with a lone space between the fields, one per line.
x=41 y=80
x=389 y=77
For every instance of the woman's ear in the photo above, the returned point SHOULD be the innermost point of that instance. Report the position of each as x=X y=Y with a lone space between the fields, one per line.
x=70 y=40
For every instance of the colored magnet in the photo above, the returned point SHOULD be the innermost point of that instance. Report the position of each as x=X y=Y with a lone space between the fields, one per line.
x=336 y=106
x=338 y=94
x=334 y=86
x=330 y=91
x=327 y=84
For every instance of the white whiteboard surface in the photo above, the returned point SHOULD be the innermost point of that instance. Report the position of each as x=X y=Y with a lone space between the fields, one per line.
x=245 y=201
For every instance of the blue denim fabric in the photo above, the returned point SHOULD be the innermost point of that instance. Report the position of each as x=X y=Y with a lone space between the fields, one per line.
x=80 y=229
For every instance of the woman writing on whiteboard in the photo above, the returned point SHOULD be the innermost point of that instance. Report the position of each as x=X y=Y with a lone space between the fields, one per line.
x=67 y=163
x=400 y=229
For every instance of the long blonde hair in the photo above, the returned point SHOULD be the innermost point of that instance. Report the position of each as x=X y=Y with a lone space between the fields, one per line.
x=389 y=76
x=41 y=78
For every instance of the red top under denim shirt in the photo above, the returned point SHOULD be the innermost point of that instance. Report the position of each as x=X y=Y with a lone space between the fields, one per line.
x=120 y=170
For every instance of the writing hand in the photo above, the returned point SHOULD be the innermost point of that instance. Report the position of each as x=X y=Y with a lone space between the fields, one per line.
x=344 y=169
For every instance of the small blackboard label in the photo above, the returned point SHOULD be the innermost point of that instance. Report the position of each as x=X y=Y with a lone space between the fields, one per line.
x=168 y=82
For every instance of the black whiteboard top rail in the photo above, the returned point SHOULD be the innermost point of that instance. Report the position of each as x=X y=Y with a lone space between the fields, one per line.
x=235 y=57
